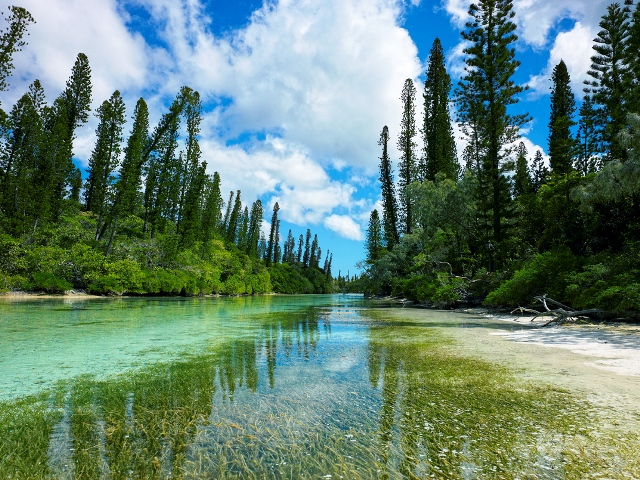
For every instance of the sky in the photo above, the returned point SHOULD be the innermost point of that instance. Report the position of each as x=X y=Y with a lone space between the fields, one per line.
x=295 y=92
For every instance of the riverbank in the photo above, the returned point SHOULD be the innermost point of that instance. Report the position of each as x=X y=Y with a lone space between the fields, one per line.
x=600 y=362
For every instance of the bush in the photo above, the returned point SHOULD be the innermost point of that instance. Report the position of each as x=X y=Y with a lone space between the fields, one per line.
x=545 y=273
x=49 y=282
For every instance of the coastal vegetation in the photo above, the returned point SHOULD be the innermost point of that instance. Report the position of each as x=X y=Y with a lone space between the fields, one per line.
x=146 y=218
x=507 y=227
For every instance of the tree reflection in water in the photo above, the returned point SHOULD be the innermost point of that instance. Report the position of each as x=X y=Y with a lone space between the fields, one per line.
x=311 y=392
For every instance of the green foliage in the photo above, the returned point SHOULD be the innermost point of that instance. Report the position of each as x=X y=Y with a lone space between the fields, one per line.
x=543 y=274
x=49 y=282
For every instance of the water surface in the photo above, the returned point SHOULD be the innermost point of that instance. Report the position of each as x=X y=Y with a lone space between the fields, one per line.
x=272 y=387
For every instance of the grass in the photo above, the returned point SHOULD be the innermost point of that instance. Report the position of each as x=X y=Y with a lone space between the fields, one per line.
x=409 y=405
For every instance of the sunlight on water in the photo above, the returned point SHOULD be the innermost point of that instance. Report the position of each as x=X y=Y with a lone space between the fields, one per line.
x=269 y=387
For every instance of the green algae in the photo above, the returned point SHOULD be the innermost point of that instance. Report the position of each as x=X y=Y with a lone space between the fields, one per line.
x=313 y=391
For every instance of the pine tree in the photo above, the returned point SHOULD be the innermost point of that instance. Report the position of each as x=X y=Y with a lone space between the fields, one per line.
x=407 y=167
x=307 y=249
x=22 y=178
x=77 y=95
x=232 y=223
x=191 y=165
x=632 y=60
x=11 y=40
x=300 y=244
x=105 y=157
x=289 y=255
x=243 y=230
x=129 y=179
x=539 y=172
x=587 y=139
x=562 y=145
x=484 y=95
x=162 y=187
x=374 y=240
x=439 y=151
x=227 y=215
x=610 y=79
x=193 y=208
x=389 y=202
x=522 y=179
x=273 y=236
x=313 y=257
x=255 y=224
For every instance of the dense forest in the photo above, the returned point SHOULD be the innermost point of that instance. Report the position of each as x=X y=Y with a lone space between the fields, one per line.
x=499 y=226
x=146 y=218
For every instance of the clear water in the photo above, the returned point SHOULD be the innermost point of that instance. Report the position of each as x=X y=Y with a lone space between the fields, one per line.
x=264 y=387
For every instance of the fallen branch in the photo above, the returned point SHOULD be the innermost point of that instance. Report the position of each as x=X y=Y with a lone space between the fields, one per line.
x=563 y=313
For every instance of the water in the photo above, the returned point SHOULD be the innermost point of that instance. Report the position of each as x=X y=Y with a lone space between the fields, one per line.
x=266 y=387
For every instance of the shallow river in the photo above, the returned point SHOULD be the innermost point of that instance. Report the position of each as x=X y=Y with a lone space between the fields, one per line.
x=287 y=387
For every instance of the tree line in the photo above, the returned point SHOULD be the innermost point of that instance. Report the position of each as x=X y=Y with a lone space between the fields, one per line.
x=498 y=225
x=146 y=218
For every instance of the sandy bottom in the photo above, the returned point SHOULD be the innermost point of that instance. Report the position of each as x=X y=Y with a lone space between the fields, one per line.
x=599 y=363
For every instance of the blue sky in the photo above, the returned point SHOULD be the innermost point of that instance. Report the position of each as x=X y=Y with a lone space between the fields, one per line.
x=296 y=92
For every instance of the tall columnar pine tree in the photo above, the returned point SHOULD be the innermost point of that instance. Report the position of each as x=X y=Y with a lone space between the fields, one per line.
x=255 y=224
x=273 y=236
x=77 y=95
x=610 y=79
x=300 y=244
x=232 y=223
x=211 y=214
x=522 y=179
x=243 y=230
x=307 y=249
x=163 y=170
x=407 y=167
x=439 y=151
x=374 y=240
x=562 y=145
x=126 y=197
x=22 y=172
x=191 y=166
x=193 y=208
x=227 y=214
x=313 y=258
x=289 y=255
x=632 y=59
x=11 y=41
x=105 y=157
x=389 y=201
x=539 y=172
x=484 y=95
x=587 y=138
x=277 y=249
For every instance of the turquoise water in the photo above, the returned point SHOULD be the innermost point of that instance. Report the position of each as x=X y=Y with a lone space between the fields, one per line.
x=265 y=387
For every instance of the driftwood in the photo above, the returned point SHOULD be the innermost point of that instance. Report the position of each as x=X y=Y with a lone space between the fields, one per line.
x=561 y=314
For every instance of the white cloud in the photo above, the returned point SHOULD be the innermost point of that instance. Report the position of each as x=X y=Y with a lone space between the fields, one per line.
x=315 y=73
x=575 y=49
x=344 y=226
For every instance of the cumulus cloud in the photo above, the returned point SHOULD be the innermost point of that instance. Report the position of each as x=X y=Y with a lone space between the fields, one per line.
x=344 y=226
x=310 y=82
x=538 y=22
x=575 y=49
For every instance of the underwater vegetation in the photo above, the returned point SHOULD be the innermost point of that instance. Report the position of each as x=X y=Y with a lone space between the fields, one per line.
x=314 y=392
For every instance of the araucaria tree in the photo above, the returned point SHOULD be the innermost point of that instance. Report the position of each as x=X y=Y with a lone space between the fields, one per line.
x=374 y=238
x=610 y=79
x=389 y=202
x=407 y=166
x=105 y=157
x=484 y=95
x=562 y=145
x=439 y=151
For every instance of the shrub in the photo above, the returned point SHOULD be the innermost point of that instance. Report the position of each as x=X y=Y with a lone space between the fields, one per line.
x=545 y=273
